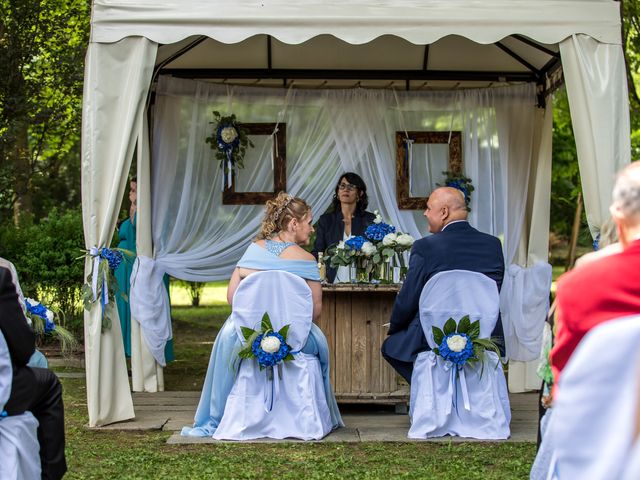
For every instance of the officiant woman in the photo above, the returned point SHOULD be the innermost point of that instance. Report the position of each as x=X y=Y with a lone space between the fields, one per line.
x=347 y=217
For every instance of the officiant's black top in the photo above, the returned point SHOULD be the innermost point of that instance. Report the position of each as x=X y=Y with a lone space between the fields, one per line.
x=330 y=230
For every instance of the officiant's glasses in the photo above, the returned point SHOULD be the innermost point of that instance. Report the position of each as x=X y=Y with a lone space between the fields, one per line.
x=347 y=186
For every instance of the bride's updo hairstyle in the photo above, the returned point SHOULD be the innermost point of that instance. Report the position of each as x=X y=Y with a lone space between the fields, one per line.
x=279 y=212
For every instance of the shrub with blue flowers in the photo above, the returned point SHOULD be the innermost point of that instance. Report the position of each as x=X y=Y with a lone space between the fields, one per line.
x=267 y=346
x=459 y=343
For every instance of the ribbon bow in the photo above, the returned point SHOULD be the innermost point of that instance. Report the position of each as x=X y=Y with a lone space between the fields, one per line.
x=104 y=298
x=457 y=372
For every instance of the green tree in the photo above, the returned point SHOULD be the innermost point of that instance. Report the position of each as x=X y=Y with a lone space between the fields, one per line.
x=42 y=47
x=631 y=43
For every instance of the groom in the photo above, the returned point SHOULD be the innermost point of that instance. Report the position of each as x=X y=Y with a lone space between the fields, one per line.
x=455 y=245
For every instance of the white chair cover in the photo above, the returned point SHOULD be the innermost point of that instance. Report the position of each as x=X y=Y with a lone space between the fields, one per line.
x=474 y=402
x=296 y=397
x=592 y=430
x=19 y=447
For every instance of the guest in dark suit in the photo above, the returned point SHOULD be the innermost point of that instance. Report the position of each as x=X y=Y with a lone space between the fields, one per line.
x=37 y=390
x=604 y=289
x=454 y=245
x=348 y=216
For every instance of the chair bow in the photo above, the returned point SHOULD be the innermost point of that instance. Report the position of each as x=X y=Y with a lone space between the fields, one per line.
x=457 y=372
x=104 y=300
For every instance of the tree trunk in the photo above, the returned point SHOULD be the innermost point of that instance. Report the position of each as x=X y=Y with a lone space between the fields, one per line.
x=23 y=206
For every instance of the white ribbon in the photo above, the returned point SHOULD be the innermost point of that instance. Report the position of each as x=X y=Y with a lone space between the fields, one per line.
x=452 y=390
x=409 y=143
x=275 y=145
x=229 y=173
x=95 y=253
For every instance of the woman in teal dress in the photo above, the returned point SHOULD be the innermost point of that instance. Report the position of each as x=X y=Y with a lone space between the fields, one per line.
x=127 y=241
x=286 y=226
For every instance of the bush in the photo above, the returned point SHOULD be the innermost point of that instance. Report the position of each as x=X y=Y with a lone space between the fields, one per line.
x=44 y=255
x=194 y=290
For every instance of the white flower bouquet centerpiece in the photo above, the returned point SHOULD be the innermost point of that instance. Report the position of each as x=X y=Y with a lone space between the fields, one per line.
x=356 y=253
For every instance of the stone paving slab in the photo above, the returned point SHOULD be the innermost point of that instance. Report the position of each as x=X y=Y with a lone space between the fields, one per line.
x=170 y=411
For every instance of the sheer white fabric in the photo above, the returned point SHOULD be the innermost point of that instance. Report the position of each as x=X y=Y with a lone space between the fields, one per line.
x=293 y=403
x=197 y=238
x=472 y=402
x=19 y=445
x=592 y=429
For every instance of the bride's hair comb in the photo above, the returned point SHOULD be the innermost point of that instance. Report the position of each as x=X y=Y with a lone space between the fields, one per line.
x=282 y=208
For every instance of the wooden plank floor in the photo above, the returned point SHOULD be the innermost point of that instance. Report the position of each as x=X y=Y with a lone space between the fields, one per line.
x=170 y=411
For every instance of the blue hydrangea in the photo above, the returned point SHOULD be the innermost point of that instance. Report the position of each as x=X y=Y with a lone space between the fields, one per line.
x=49 y=326
x=459 y=358
x=596 y=242
x=37 y=309
x=114 y=257
x=355 y=243
x=377 y=231
x=266 y=359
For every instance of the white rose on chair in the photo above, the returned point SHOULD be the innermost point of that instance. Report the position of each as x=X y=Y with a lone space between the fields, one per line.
x=270 y=344
x=456 y=343
x=368 y=248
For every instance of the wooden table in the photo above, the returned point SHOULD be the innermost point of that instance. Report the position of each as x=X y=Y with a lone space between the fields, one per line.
x=353 y=318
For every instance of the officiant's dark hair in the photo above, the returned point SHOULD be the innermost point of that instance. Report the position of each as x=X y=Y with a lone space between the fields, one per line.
x=279 y=212
x=353 y=179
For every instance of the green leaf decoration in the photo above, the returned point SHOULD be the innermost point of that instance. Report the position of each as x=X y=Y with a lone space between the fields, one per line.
x=283 y=331
x=247 y=332
x=438 y=335
x=436 y=351
x=449 y=326
x=464 y=324
x=474 y=330
x=288 y=357
x=265 y=325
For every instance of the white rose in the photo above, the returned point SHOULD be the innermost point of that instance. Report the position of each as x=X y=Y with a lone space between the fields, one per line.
x=270 y=344
x=456 y=343
x=390 y=239
x=49 y=315
x=378 y=218
x=228 y=134
x=405 y=240
x=368 y=248
x=340 y=245
x=32 y=302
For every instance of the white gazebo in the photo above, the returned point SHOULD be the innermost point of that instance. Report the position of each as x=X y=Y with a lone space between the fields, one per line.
x=343 y=77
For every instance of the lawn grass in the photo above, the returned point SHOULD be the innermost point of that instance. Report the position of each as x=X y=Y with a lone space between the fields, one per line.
x=97 y=454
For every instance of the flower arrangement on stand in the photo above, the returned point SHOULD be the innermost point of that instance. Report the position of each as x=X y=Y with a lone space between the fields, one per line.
x=101 y=285
x=230 y=142
x=462 y=183
x=42 y=321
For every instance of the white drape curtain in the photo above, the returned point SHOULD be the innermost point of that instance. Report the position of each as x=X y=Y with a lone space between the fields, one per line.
x=117 y=78
x=328 y=132
x=598 y=100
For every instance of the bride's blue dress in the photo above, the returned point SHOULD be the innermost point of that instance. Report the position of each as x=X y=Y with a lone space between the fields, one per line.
x=223 y=363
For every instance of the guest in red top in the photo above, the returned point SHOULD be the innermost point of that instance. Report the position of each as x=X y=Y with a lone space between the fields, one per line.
x=607 y=288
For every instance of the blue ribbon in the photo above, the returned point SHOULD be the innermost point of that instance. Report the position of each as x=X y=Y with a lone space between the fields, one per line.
x=4 y=414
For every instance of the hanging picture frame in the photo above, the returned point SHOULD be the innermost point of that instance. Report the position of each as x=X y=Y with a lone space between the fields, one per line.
x=231 y=194
x=452 y=141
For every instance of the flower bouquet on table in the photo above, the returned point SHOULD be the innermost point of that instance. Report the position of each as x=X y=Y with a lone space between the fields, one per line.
x=42 y=321
x=355 y=252
x=101 y=285
x=390 y=244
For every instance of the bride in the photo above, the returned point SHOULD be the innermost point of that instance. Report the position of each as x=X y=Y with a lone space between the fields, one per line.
x=287 y=224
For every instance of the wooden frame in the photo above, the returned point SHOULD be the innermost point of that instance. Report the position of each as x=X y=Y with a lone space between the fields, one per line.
x=229 y=194
x=405 y=201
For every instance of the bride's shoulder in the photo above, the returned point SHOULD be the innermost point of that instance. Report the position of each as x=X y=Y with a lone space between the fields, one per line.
x=295 y=252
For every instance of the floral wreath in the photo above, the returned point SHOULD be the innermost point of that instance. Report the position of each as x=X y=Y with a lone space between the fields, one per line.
x=266 y=345
x=462 y=183
x=230 y=141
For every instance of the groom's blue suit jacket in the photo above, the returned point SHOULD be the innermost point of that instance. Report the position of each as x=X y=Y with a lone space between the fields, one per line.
x=458 y=247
